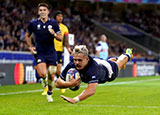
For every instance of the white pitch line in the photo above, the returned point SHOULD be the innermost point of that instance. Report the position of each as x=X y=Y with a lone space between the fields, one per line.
x=106 y=84
x=118 y=106
x=127 y=82
x=21 y=92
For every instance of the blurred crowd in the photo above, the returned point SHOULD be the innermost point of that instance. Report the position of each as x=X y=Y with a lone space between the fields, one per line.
x=148 y=21
x=15 y=17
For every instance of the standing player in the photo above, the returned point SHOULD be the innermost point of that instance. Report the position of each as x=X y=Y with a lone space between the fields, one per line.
x=45 y=30
x=92 y=71
x=59 y=44
x=102 y=48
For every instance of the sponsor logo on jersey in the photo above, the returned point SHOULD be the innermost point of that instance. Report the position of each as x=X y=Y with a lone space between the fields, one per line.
x=39 y=60
x=38 y=26
x=49 y=26
x=93 y=77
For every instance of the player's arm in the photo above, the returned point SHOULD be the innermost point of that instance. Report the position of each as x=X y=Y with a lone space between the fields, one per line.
x=29 y=43
x=89 y=91
x=97 y=53
x=98 y=49
x=58 y=35
x=63 y=84
x=66 y=43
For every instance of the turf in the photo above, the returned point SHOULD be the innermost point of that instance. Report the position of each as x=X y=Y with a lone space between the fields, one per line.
x=124 y=96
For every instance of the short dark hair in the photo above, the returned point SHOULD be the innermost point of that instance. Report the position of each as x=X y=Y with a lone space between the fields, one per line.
x=43 y=4
x=57 y=12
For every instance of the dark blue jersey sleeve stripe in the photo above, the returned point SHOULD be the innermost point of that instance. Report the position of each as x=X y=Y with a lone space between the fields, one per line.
x=93 y=81
x=62 y=77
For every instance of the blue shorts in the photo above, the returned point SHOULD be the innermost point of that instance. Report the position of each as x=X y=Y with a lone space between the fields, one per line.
x=59 y=57
x=114 y=69
x=158 y=69
x=50 y=59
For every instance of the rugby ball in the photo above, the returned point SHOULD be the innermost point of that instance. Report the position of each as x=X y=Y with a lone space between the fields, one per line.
x=69 y=74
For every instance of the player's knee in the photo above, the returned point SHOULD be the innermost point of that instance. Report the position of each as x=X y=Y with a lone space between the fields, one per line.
x=52 y=69
x=42 y=75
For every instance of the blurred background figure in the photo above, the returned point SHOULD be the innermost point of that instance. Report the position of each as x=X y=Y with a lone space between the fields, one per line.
x=102 y=47
x=60 y=44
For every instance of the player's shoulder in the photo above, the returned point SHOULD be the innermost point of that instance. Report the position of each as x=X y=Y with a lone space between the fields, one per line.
x=92 y=63
x=53 y=20
x=71 y=63
x=92 y=68
x=99 y=44
x=34 y=20
x=63 y=25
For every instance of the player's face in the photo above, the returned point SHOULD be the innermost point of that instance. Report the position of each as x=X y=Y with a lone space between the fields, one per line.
x=80 y=61
x=43 y=12
x=59 y=18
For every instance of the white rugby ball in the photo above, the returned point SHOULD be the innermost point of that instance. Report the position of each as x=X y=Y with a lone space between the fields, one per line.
x=69 y=74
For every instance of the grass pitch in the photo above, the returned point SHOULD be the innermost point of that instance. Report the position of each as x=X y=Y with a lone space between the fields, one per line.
x=124 y=96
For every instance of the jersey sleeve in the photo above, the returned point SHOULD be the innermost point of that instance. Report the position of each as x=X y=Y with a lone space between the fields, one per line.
x=98 y=47
x=93 y=77
x=66 y=31
x=56 y=27
x=92 y=73
x=30 y=28
x=64 y=72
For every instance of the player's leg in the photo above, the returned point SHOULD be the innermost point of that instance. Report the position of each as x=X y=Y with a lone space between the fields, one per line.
x=58 y=69
x=42 y=70
x=59 y=66
x=43 y=73
x=124 y=58
x=58 y=74
x=51 y=83
x=114 y=59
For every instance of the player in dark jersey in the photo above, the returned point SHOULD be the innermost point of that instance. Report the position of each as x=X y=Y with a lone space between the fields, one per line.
x=45 y=30
x=92 y=71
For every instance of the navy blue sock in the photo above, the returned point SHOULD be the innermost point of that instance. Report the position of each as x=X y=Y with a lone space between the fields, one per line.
x=127 y=56
x=49 y=92
x=112 y=57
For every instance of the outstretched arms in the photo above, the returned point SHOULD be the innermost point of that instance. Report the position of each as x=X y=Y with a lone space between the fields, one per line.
x=63 y=84
x=89 y=91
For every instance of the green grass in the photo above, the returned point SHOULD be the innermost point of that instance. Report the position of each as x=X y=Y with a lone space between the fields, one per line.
x=129 y=98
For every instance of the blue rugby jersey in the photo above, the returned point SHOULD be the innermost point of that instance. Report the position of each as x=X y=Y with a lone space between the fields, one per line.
x=43 y=38
x=92 y=73
x=102 y=47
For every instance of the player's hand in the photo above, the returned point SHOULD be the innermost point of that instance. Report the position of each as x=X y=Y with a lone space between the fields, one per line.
x=69 y=50
x=51 y=31
x=70 y=100
x=33 y=50
x=74 y=82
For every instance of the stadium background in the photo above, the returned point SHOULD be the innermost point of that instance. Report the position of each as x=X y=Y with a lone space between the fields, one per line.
x=132 y=23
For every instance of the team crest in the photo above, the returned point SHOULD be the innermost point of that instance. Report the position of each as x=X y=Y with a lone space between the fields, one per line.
x=38 y=26
x=39 y=60
x=60 y=60
x=49 y=26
